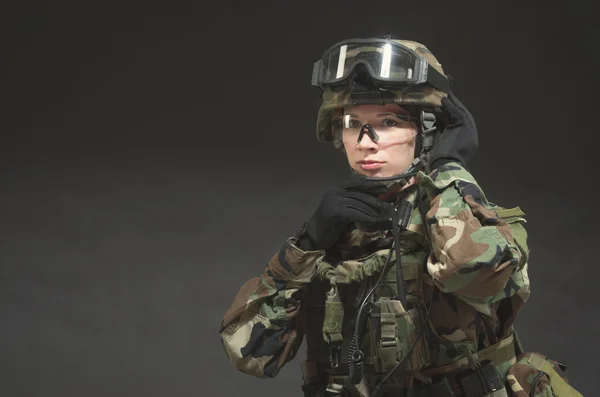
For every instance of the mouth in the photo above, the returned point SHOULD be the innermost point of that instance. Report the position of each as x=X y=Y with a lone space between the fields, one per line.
x=370 y=164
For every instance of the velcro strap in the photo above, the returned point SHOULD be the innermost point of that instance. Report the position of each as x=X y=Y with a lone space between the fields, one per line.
x=388 y=349
x=509 y=212
x=498 y=353
x=388 y=330
x=333 y=321
x=560 y=387
x=334 y=315
x=537 y=361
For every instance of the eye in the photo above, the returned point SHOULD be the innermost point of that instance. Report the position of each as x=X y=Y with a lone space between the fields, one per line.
x=354 y=123
x=389 y=123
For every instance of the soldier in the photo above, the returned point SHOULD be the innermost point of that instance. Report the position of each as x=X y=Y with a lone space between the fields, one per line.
x=406 y=280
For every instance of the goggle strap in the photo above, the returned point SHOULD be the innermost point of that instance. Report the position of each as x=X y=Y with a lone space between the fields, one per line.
x=315 y=74
x=437 y=80
x=366 y=97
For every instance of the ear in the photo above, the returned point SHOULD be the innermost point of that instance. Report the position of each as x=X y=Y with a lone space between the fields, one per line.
x=337 y=140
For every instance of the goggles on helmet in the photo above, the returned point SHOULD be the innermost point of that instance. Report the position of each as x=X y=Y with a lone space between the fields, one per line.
x=388 y=62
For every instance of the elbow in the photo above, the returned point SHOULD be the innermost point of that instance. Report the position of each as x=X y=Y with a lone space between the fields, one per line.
x=235 y=345
x=478 y=264
x=259 y=349
x=481 y=279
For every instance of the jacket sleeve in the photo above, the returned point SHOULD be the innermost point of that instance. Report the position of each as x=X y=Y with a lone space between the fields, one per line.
x=262 y=329
x=474 y=254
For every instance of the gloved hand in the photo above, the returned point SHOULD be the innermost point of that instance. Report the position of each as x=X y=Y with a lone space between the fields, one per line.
x=355 y=201
x=458 y=140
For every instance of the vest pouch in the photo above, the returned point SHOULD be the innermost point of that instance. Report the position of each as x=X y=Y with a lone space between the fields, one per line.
x=535 y=375
x=392 y=332
x=515 y=218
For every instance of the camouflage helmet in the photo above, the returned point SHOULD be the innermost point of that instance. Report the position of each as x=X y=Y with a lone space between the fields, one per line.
x=418 y=96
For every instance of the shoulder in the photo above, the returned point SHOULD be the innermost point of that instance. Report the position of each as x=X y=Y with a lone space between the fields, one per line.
x=446 y=175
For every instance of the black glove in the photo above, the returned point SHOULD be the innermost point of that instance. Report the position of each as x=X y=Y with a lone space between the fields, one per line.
x=458 y=139
x=355 y=201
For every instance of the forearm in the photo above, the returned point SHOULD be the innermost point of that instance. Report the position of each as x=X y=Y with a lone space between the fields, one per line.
x=261 y=330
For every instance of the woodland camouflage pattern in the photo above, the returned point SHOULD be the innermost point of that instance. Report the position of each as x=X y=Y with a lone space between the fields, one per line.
x=420 y=96
x=536 y=375
x=476 y=277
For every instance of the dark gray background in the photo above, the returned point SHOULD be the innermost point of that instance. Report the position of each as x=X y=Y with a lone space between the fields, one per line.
x=155 y=155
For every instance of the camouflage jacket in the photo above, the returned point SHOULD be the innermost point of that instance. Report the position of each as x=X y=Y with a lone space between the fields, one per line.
x=467 y=268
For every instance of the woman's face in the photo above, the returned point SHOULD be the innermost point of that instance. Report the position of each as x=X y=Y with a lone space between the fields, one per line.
x=395 y=147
